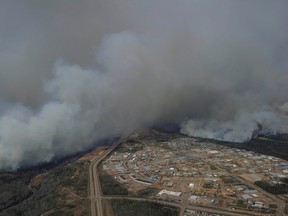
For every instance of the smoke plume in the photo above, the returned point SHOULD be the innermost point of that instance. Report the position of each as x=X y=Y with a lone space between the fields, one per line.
x=73 y=72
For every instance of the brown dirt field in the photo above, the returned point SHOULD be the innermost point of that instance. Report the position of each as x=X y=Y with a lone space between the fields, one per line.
x=37 y=180
x=91 y=155
x=107 y=207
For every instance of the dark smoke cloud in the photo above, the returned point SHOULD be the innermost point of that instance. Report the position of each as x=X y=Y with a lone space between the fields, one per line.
x=72 y=72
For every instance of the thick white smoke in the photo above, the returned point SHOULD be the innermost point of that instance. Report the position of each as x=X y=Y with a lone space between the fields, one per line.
x=218 y=68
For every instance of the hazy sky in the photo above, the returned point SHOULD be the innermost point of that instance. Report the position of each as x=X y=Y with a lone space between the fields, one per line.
x=72 y=72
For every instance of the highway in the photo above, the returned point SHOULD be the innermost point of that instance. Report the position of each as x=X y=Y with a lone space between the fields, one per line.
x=94 y=188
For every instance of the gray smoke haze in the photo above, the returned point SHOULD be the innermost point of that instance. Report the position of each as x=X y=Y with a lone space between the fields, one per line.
x=72 y=72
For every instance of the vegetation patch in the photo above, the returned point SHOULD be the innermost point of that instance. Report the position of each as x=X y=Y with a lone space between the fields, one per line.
x=212 y=167
x=229 y=180
x=14 y=189
x=280 y=188
x=241 y=204
x=110 y=186
x=136 y=208
x=147 y=192
x=273 y=206
x=60 y=191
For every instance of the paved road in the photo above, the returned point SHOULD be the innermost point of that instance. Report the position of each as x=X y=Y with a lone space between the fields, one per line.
x=95 y=192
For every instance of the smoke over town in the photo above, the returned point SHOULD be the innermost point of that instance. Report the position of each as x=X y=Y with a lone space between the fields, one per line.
x=73 y=72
